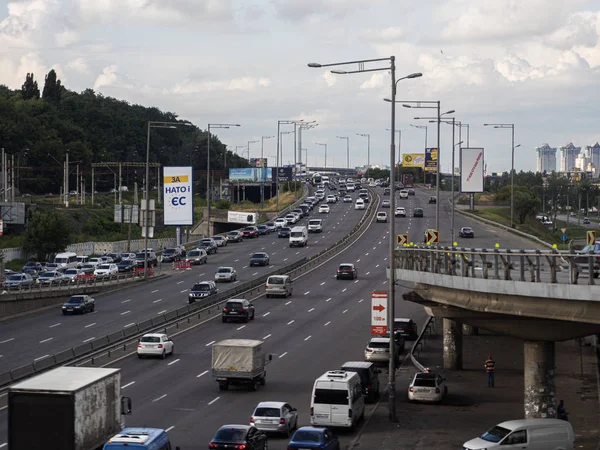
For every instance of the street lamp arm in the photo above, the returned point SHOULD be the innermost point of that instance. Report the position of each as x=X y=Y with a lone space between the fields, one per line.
x=317 y=65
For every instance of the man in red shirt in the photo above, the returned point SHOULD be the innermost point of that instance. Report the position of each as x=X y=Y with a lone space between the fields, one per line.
x=490 y=366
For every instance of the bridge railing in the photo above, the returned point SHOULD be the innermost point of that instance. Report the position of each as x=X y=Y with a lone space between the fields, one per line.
x=538 y=266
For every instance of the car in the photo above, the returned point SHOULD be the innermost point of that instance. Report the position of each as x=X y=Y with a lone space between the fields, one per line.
x=278 y=285
x=141 y=257
x=79 y=304
x=406 y=327
x=385 y=204
x=280 y=222
x=382 y=216
x=220 y=240
x=202 y=290
x=346 y=270
x=586 y=220
x=277 y=417
x=18 y=281
x=235 y=236
x=250 y=232
x=116 y=257
x=225 y=274
x=297 y=216
x=360 y=204
x=88 y=269
x=125 y=266
x=284 y=232
x=196 y=256
x=300 y=212
x=171 y=254
x=432 y=199
x=271 y=226
x=238 y=308
x=262 y=230
x=155 y=344
x=418 y=212
x=466 y=232
x=33 y=265
x=73 y=275
x=400 y=212
x=331 y=199
x=291 y=219
x=314 y=438
x=404 y=194
x=347 y=199
x=315 y=226
x=96 y=261
x=411 y=192
x=378 y=350
x=127 y=255
x=51 y=267
x=427 y=387
x=52 y=277
x=106 y=271
x=209 y=245
x=369 y=378
x=243 y=437
x=259 y=259
x=324 y=209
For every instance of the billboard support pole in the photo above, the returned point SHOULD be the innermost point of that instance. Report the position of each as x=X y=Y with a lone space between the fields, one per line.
x=453 y=150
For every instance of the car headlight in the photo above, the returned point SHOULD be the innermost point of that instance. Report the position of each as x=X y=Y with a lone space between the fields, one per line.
x=64 y=307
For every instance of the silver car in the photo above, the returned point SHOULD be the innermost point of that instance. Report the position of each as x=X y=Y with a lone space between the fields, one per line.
x=196 y=256
x=277 y=417
x=18 y=281
x=52 y=277
x=427 y=387
x=378 y=350
x=225 y=274
x=220 y=240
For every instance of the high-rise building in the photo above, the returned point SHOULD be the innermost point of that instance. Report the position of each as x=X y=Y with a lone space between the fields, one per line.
x=546 y=158
x=592 y=153
x=568 y=157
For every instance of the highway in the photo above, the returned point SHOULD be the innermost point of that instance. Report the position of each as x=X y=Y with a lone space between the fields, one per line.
x=325 y=323
x=38 y=335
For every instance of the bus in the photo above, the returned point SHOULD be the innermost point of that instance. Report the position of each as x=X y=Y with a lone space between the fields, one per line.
x=140 y=439
x=317 y=179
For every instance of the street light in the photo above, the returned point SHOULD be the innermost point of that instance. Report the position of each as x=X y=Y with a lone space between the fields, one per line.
x=392 y=241
x=248 y=147
x=323 y=145
x=304 y=126
x=212 y=125
x=368 y=136
x=512 y=166
x=262 y=183
x=399 y=149
x=347 y=149
x=280 y=151
x=421 y=127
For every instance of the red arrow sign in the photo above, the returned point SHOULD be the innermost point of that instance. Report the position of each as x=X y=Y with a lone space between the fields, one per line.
x=378 y=308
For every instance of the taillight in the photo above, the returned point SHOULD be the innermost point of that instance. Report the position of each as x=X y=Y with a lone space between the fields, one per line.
x=243 y=310
x=160 y=346
x=339 y=271
x=369 y=349
x=282 y=421
x=437 y=390
x=266 y=286
x=224 y=309
x=241 y=447
x=411 y=389
x=368 y=386
x=212 y=445
x=140 y=345
x=251 y=419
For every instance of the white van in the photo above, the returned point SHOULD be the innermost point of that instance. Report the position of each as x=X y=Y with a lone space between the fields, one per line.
x=315 y=226
x=531 y=434
x=337 y=400
x=81 y=260
x=298 y=237
x=67 y=259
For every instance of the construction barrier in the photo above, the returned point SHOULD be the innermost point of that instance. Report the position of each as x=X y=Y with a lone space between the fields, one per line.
x=187 y=265
x=139 y=271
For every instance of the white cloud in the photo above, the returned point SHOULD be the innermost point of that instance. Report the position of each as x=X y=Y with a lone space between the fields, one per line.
x=330 y=78
x=12 y=73
x=300 y=10
x=384 y=34
x=377 y=80
x=79 y=65
x=112 y=78
x=247 y=84
x=66 y=37
x=580 y=30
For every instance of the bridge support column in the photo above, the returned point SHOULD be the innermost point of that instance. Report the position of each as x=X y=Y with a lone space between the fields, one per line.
x=453 y=347
x=540 y=383
x=470 y=331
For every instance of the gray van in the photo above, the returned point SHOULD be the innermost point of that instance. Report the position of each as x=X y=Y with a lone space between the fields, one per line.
x=278 y=285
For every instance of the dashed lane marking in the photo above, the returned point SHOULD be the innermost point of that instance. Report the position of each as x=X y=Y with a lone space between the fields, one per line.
x=210 y=343
x=202 y=374
x=307 y=338
x=46 y=340
x=267 y=336
x=282 y=355
x=290 y=322
x=241 y=328
x=327 y=323
x=159 y=398
x=127 y=385
x=159 y=300
x=172 y=362
x=213 y=400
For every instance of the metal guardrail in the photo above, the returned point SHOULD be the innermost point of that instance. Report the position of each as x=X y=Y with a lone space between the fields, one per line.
x=178 y=317
x=419 y=344
x=539 y=266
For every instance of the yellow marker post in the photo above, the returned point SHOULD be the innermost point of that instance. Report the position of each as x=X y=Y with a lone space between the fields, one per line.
x=455 y=244
x=497 y=245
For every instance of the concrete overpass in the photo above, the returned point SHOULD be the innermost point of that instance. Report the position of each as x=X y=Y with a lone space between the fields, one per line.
x=538 y=296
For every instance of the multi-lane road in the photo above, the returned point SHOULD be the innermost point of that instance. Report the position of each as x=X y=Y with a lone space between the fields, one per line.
x=325 y=323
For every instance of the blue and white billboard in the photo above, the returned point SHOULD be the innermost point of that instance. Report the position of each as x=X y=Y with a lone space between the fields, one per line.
x=251 y=174
x=179 y=198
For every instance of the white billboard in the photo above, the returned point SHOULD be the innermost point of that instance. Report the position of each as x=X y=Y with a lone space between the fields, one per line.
x=471 y=170
x=178 y=195
x=248 y=218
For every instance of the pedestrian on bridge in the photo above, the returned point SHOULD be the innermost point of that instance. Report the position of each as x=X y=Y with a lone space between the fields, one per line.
x=490 y=367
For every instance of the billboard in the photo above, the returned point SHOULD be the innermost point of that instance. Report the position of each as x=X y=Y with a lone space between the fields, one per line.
x=248 y=218
x=285 y=174
x=413 y=159
x=251 y=174
x=127 y=213
x=379 y=313
x=431 y=160
x=258 y=162
x=471 y=170
x=178 y=195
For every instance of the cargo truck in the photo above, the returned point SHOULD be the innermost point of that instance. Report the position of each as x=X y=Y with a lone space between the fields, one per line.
x=239 y=362
x=68 y=408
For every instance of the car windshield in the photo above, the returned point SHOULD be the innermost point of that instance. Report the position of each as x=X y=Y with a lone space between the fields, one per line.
x=424 y=382
x=496 y=434
x=249 y=229
x=47 y=274
x=418 y=210
x=345 y=267
x=71 y=272
x=218 y=238
x=286 y=229
x=168 y=251
x=267 y=412
x=275 y=280
x=223 y=270
x=201 y=287
x=379 y=344
x=234 y=305
x=307 y=436
x=314 y=222
x=468 y=230
x=206 y=241
x=230 y=435
x=151 y=339
x=76 y=300
x=88 y=266
x=30 y=264
x=381 y=214
x=261 y=227
x=16 y=277
x=258 y=255
x=104 y=267
x=194 y=253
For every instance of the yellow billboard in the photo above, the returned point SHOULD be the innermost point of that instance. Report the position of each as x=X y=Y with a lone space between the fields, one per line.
x=413 y=159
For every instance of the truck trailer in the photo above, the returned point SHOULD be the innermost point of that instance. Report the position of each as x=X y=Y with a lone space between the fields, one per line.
x=238 y=362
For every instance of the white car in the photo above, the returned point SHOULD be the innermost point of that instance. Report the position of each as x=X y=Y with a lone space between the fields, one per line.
x=95 y=261
x=324 y=209
x=106 y=270
x=220 y=240
x=281 y=222
x=360 y=204
x=404 y=194
x=427 y=387
x=331 y=199
x=278 y=417
x=400 y=212
x=381 y=216
x=347 y=199
x=225 y=274
x=155 y=344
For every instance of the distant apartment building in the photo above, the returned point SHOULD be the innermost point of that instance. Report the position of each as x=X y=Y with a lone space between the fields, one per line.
x=568 y=157
x=571 y=159
x=546 y=159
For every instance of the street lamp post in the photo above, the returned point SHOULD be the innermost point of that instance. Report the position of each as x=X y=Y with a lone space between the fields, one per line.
x=248 y=148
x=421 y=127
x=512 y=165
x=262 y=183
x=368 y=136
x=208 y=196
x=392 y=241
x=399 y=152
x=279 y=150
x=323 y=145
x=304 y=126
x=347 y=149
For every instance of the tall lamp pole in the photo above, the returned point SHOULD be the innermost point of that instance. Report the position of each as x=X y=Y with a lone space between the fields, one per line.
x=421 y=127
x=323 y=145
x=280 y=159
x=279 y=149
x=399 y=149
x=512 y=165
x=347 y=149
x=368 y=136
x=262 y=183
x=392 y=241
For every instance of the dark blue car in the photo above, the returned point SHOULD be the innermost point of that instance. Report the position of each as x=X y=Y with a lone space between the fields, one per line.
x=311 y=437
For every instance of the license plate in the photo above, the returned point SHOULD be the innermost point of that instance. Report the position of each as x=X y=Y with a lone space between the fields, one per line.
x=322 y=416
x=233 y=312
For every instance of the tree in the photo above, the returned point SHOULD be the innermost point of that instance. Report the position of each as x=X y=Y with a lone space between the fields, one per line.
x=47 y=232
x=30 y=88
x=525 y=204
x=52 y=87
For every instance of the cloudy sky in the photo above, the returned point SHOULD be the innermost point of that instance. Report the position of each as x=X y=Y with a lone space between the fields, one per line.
x=534 y=63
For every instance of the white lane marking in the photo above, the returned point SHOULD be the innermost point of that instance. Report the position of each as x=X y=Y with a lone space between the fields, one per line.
x=90 y=325
x=127 y=385
x=179 y=282
x=173 y=362
x=236 y=260
x=297 y=253
x=358 y=260
x=126 y=301
x=154 y=291
x=274 y=253
x=159 y=300
x=242 y=327
x=159 y=398
x=377 y=266
x=327 y=323
x=254 y=274
x=181 y=292
x=285 y=259
x=367 y=273
x=290 y=322
x=130 y=324
x=8 y=340
x=344 y=290
x=361 y=300
x=311 y=309
x=344 y=311
x=307 y=292
x=287 y=303
x=202 y=374
x=3 y=445
x=210 y=343
x=307 y=338
x=202 y=274
x=126 y=312
x=213 y=400
x=267 y=336
x=379 y=242
x=374 y=248
x=161 y=312
x=41 y=357
x=282 y=355
x=266 y=314
x=270 y=267
x=55 y=325
x=385 y=259
x=385 y=282
x=170 y=428
x=90 y=339
x=355 y=281
x=322 y=283
x=328 y=299
x=46 y=340
x=366 y=254
x=244 y=267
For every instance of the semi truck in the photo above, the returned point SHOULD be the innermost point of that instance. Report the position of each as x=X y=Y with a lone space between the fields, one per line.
x=67 y=408
x=239 y=362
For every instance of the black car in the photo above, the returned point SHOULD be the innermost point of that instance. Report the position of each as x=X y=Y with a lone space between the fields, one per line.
x=171 y=254
x=418 y=212
x=259 y=259
x=238 y=309
x=79 y=304
x=239 y=437
x=140 y=258
x=209 y=245
x=406 y=328
x=116 y=257
x=284 y=232
x=346 y=271
x=432 y=199
x=262 y=229
x=466 y=232
x=126 y=265
x=369 y=377
x=411 y=192
x=202 y=290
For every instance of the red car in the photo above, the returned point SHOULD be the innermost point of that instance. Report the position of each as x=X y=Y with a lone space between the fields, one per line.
x=250 y=232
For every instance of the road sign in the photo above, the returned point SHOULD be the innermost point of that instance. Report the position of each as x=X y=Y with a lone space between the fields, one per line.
x=379 y=322
x=432 y=237
x=563 y=238
x=401 y=239
x=564 y=230
x=591 y=237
